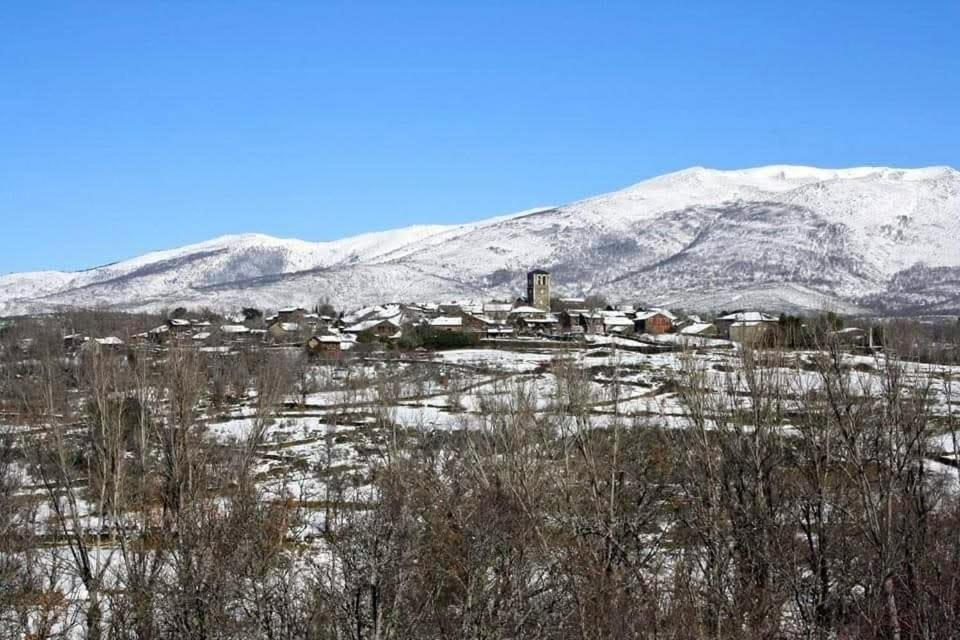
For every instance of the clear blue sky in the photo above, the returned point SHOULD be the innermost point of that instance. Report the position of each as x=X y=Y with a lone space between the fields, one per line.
x=131 y=126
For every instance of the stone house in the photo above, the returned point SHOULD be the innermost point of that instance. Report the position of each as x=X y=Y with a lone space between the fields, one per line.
x=284 y=331
x=325 y=346
x=617 y=324
x=538 y=325
x=653 y=321
x=725 y=323
x=447 y=324
x=497 y=311
x=473 y=323
x=292 y=314
x=382 y=328
x=592 y=322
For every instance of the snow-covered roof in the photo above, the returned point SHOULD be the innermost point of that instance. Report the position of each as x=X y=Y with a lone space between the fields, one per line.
x=161 y=329
x=617 y=321
x=447 y=321
x=525 y=310
x=377 y=312
x=179 y=322
x=360 y=327
x=328 y=339
x=548 y=319
x=649 y=313
x=695 y=328
x=289 y=327
x=748 y=316
x=497 y=307
x=234 y=328
x=203 y=335
x=109 y=341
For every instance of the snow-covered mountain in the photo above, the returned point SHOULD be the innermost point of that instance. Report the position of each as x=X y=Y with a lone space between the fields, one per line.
x=781 y=237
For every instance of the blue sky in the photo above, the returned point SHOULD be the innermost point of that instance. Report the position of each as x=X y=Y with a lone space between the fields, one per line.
x=126 y=127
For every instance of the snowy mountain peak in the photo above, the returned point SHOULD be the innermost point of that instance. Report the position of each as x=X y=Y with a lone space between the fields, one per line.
x=768 y=176
x=784 y=236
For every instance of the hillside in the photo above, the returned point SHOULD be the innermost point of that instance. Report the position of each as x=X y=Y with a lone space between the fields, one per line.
x=784 y=237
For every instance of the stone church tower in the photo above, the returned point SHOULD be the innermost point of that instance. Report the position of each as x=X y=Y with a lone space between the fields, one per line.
x=538 y=289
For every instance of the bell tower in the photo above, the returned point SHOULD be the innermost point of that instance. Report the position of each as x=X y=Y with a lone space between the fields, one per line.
x=538 y=289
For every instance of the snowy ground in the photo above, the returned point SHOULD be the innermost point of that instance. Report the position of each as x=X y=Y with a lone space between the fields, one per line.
x=322 y=446
x=345 y=427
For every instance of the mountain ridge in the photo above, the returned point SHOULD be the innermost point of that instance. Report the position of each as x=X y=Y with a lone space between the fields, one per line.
x=851 y=239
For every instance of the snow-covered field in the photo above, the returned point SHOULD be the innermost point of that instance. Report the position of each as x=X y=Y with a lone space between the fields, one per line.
x=347 y=429
x=344 y=422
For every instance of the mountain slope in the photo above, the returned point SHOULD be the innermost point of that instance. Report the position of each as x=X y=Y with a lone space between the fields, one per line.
x=784 y=236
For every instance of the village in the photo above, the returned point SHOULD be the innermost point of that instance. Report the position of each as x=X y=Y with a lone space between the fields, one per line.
x=538 y=318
